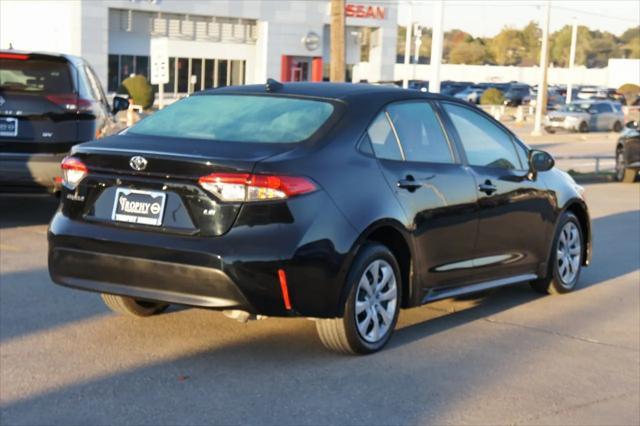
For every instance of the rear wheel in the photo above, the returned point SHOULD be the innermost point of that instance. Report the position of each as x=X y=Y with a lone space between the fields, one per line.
x=372 y=307
x=622 y=173
x=617 y=127
x=583 y=127
x=132 y=307
x=566 y=258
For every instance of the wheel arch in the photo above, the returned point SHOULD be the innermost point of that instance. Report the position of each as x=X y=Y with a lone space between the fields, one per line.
x=579 y=209
x=393 y=235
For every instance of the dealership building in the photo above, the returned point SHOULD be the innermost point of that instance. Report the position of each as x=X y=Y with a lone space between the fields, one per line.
x=209 y=43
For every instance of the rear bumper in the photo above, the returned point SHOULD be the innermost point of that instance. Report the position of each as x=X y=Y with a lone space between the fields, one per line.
x=145 y=279
x=29 y=172
x=238 y=270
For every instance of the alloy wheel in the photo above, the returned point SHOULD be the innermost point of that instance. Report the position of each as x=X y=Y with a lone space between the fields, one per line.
x=619 y=165
x=376 y=301
x=569 y=254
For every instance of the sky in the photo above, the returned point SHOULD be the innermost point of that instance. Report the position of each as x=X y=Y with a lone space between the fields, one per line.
x=487 y=18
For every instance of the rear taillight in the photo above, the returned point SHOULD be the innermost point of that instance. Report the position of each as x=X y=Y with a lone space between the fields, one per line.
x=71 y=102
x=249 y=187
x=73 y=171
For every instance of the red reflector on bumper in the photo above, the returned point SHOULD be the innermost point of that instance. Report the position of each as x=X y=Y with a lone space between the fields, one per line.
x=285 y=290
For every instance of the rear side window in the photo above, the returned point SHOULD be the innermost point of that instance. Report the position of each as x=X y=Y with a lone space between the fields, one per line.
x=383 y=141
x=35 y=75
x=602 y=108
x=420 y=133
x=484 y=143
x=238 y=118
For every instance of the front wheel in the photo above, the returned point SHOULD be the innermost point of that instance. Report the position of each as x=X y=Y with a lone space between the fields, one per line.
x=565 y=262
x=372 y=306
x=622 y=173
x=132 y=307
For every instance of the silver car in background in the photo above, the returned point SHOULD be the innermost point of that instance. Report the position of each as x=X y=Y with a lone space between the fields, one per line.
x=585 y=116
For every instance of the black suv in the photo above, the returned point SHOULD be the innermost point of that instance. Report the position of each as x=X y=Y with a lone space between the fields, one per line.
x=48 y=103
x=628 y=153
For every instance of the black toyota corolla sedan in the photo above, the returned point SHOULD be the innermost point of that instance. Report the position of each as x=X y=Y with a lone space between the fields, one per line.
x=338 y=202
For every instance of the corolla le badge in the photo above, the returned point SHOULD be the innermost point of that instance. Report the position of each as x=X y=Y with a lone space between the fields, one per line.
x=138 y=163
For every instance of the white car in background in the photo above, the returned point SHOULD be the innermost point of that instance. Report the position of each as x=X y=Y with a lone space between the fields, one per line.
x=585 y=116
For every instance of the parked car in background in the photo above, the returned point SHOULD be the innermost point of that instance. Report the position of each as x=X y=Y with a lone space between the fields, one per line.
x=585 y=116
x=48 y=103
x=450 y=88
x=628 y=153
x=516 y=93
x=235 y=199
x=471 y=94
x=422 y=85
x=596 y=92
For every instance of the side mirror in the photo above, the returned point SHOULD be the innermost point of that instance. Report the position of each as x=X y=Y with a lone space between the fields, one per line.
x=540 y=161
x=119 y=104
x=632 y=125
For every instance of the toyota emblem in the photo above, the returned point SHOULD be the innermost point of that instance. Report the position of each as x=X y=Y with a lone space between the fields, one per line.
x=138 y=163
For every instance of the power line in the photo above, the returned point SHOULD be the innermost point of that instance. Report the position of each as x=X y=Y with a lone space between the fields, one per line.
x=569 y=9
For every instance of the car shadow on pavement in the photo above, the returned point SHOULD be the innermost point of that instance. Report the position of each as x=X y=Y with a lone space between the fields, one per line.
x=25 y=210
x=616 y=248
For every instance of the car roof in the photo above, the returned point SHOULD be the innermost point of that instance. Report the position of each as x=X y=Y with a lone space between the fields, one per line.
x=339 y=91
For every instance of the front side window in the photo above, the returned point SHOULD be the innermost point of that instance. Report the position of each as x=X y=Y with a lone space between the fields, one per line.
x=484 y=143
x=420 y=132
x=383 y=141
x=238 y=118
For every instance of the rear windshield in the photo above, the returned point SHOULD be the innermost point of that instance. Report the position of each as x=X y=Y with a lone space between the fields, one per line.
x=238 y=118
x=35 y=75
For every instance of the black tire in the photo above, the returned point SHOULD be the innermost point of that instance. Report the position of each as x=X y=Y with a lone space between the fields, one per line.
x=553 y=283
x=583 y=127
x=342 y=334
x=617 y=127
x=132 y=307
x=624 y=174
x=550 y=130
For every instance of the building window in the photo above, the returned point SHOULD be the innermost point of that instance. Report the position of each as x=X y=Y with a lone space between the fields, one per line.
x=122 y=66
x=114 y=73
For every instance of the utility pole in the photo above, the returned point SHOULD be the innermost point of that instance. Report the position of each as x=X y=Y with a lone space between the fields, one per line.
x=572 y=58
x=407 y=47
x=541 y=101
x=436 y=47
x=337 y=69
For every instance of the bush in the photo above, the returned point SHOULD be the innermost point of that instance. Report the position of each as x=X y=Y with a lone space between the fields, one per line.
x=492 y=96
x=630 y=92
x=139 y=90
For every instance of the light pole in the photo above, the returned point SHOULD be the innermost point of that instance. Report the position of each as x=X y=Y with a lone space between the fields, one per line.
x=407 y=47
x=572 y=58
x=436 y=47
x=417 y=36
x=544 y=64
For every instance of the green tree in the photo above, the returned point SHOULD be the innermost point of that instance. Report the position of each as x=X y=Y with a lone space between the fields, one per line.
x=560 y=42
x=508 y=47
x=603 y=46
x=631 y=40
x=473 y=53
x=531 y=39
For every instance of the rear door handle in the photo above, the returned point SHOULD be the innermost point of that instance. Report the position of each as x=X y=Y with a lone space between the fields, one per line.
x=487 y=187
x=410 y=184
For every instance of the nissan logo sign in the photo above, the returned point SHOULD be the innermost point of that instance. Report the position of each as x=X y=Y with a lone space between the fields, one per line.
x=138 y=163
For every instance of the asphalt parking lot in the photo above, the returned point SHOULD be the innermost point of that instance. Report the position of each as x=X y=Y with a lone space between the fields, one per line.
x=508 y=357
